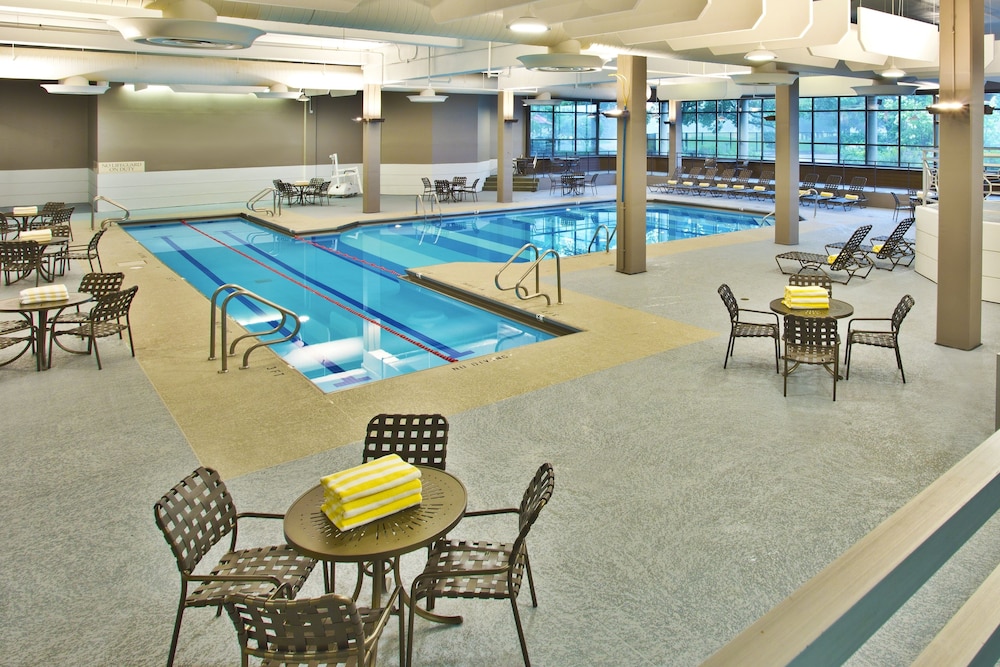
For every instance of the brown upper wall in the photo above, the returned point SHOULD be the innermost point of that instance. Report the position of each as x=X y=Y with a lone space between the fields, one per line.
x=43 y=131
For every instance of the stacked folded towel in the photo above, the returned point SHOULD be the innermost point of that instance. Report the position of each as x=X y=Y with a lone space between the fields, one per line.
x=44 y=293
x=370 y=491
x=25 y=210
x=805 y=297
x=40 y=235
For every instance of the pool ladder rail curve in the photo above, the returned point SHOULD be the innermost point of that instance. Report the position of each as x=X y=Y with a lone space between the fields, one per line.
x=519 y=289
x=275 y=202
x=108 y=221
x=235 y=291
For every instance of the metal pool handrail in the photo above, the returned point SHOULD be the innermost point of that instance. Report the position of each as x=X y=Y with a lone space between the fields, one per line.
x=608 y=235
x=519 y=286
x=275 y=201
x=108 y=221
x=237 y=290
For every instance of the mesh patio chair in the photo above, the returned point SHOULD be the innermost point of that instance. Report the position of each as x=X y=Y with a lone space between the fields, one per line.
x=20 y=259
x=851 y=259
x=894 y=248
x=87 y=252
x=879 y=338
x=8 y=227
x=285 y=191
x=811 y=340
x=45 y=214
x=108 y=317
x=900 y=206
x=472 y=190
x=812 y=279
x=197 y=514
x=18 y=331
x=420 y=439
x=485 y=570
x=97 y=284
x=428 y=188
x=329 y=630
x=316 y=189
x=55 y=254
x=740 y=328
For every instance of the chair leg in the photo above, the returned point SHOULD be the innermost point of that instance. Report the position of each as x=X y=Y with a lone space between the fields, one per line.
x=520 y=631
x=836 y=372
x=777 y=354
x=177 y=629
x=899 y=362
x=785 y=374
x=847 y=361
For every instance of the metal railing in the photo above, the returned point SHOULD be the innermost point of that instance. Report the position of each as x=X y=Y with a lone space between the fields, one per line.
x=107 y=222
x=519 y=287
x=237 y=291
x=608 y=235
x=275 y=202
x=419 y=206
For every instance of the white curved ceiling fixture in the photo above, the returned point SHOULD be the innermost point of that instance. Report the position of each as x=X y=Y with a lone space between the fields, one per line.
x=427 y=96
x=76 y=85
x=186 y=24
x=564 y=57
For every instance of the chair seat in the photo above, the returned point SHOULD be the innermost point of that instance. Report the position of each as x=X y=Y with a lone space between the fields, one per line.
x=11 y=326
x=876 y=338
x=455 y=556
x=811 y=354
x=278 y=560
x=100 y=329
x=749 y=329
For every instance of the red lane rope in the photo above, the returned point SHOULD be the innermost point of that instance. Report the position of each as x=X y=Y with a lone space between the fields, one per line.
x=343 y=254
x=357 y=313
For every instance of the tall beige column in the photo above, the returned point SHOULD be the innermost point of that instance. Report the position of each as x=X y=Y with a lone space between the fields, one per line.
x=786 y=164
x=506 y=126
x=371 y=148
x=631 y=176
x=960 y=176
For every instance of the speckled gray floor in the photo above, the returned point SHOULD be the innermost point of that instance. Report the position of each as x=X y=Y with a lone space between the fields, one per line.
x=689 y=499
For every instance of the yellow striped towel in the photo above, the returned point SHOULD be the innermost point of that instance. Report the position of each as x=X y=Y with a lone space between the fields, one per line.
x=759 y=188
x=368 y=503
x=25 y=210
x=794 y=305
x=722 y=186
x=826 y=194
x=44 y=293
x=807 y=299
x=830 y=259
x=802 y=193
x=851 y=197
x=40 y=235
x=805 y=290
x=877 y=247
x=368 y=478
x=738 y=187
x=704 y=185
x=688 y=182
x=343 y=523
x=671 y=181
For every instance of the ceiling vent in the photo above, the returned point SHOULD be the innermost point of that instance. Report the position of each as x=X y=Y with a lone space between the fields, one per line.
x=564 y=57
x=76 y=85
x=186 y=24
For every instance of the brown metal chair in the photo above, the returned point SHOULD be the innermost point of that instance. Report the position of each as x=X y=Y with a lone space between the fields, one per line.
x=329 y=630
x=740 y=328
x=484 y=570
x=879 y=338
x=197 y=514
x=420 y=439
x=811 y=340
x=108 y=317
x=97 y=284
x=20 y=259
x=18 y=331
x=87 y=252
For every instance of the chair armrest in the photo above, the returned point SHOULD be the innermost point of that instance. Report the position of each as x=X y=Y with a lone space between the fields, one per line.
x=379 y=618
x=761 y=312
x=259 y=515
x=850 y=323
x=504 y=510
x=274 y=579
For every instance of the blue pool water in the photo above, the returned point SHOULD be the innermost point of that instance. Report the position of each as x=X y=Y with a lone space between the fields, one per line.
x=360 y=321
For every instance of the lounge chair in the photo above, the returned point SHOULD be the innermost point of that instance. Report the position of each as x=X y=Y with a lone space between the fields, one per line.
x=851 y=259
x=854 y=196
x=825 y=193
x=764 y=188
x=723 y=183
x=894 y=248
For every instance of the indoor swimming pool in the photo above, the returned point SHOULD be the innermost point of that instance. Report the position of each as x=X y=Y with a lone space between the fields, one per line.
x=361 y=321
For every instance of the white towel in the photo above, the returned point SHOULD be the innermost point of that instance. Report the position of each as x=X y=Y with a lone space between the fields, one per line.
x=44 y=293
x=25 y=210
x=40 y=235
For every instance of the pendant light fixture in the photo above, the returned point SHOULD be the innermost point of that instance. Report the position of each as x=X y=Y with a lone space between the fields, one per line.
x=427 y=95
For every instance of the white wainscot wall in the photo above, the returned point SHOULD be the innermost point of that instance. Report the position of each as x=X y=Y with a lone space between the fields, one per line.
x=927 y=247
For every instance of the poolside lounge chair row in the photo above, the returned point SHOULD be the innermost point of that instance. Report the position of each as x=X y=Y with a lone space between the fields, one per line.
x=707 y=182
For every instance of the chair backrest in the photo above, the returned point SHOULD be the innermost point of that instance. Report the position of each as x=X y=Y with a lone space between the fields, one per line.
x=727 y=176
x=895 y=198
x=60 y=230
x=857 y=184
x=730 y=300
x=846 y=256
x=833 y=182
x=902 y=308
x=536 y=496
x=420 y=439
x=474 y=185
x=101 y=283
x=324 y=629
x=809 y=181
x=459 y=181
x=51 y=207
x=812 y=279
x=20 y=252
x=891 y=243
x=194 y=515
x=811 y=331
x=113 y=305
x=60 y=216
x=313 y=182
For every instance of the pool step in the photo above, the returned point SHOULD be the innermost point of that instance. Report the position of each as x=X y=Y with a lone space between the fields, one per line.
x=521 y=184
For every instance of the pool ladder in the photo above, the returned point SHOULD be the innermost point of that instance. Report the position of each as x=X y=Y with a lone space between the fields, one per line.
x=108 y=221
x=275 y=202
x=237 y=291
x=519 y=289
x=608 y=236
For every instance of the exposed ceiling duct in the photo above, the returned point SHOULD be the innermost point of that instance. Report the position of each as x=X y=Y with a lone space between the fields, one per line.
x=187 y=24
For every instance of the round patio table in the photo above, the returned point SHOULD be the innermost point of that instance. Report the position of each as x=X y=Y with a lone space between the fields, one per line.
x=40 y=311
x=838 y=309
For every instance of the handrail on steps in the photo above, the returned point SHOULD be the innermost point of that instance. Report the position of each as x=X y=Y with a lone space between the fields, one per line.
x=419 y=204
x=109 y=221
x=275 y=202
x=608 y=235
x=238 y=291
x=519 y=287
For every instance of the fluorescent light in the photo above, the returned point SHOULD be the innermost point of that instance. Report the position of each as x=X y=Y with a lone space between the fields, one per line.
x=760 y=55
x=529 y=25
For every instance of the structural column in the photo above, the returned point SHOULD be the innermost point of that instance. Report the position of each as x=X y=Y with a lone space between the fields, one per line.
x=675 y=119
x=371 y=148
x=631 y=176
x=960 y=177
x=505 y=146
x=786 y=164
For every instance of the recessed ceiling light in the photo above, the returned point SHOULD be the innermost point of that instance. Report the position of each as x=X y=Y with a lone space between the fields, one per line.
x=528 y=24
